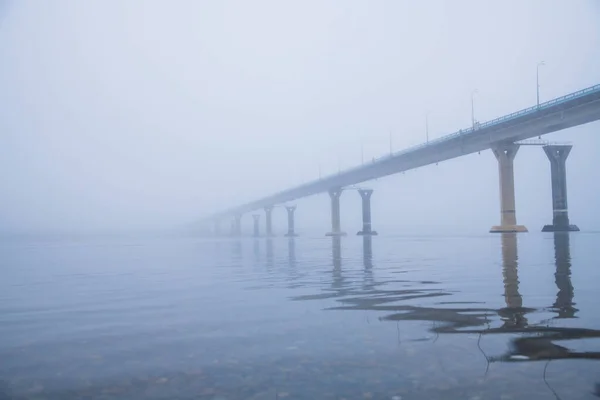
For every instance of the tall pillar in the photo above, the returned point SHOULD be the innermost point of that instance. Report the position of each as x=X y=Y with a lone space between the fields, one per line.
x=365 y=194
x=256 y=226
x=505 y=154
x=290 y=211
x=336 y=230
x=236 y=229
x=268 y=220
x=557 y=154
x=217 y=228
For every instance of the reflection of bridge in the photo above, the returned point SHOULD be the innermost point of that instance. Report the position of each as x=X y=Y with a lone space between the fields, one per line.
x=502 y=135
x=535 y=341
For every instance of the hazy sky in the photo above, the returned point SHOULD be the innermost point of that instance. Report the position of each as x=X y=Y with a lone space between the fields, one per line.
x=149 y=114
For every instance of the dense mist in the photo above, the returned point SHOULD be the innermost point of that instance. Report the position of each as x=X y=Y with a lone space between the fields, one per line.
x=131 y=115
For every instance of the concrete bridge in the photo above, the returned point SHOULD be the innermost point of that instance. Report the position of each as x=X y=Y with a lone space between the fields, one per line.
x=502 y=135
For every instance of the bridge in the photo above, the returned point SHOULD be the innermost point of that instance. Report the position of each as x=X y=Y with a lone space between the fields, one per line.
x=502 y=135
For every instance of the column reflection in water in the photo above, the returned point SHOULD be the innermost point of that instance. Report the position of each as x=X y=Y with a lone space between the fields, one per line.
x=513 y=314
x=236 y=249
x=368 y=260
x=336 y=255
x=256 y=249
x=269 y=252
x=564 y=304
x=292 y=252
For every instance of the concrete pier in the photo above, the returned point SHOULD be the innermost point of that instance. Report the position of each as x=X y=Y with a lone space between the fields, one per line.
x=217 y=228
x=291 y=225
x=557 y=154
x=505 y=154
x=269 y=221
x=365 y=194
x=336 y=230
x=256 y=225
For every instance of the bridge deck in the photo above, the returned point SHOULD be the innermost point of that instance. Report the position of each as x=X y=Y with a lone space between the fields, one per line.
x=573 y=109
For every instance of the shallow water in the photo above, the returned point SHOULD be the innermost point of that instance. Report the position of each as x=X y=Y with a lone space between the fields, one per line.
x=427 y=317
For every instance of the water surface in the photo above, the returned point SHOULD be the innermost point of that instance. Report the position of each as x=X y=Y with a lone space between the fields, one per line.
x=410 y=317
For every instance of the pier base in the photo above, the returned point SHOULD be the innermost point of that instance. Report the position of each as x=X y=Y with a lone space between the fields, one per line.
x=560 y=228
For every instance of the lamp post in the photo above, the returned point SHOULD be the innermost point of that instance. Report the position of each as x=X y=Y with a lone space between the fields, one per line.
x=537 y=81
x=473 y=107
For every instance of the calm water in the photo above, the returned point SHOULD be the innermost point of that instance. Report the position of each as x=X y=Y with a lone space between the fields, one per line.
x=430 y=317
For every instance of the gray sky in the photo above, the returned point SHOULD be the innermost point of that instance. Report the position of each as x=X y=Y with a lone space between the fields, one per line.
x=149 y=114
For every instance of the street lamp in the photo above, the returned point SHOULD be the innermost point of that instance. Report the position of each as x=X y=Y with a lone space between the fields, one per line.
x=473 y=107
x=537 y=80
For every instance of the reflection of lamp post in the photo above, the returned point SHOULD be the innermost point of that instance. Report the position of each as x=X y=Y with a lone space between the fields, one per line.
x=473 y=108
x=537 y=81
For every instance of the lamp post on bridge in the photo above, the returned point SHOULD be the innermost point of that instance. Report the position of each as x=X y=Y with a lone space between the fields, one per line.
x=537 y=81
x=473 y=107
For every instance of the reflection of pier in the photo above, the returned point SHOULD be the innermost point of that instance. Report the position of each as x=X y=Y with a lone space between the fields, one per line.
x=292 y=252
x=269 y=252
x=513 y=314
x=534 y=341
x=563 y=305
x=368 y=261
x=336 y=255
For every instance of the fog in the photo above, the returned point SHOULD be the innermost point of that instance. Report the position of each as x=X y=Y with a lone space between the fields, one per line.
x=129 y=115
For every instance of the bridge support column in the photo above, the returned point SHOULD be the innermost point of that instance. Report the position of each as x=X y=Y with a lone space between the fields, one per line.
x=269 y=221
x=505 y=154
x=365 y=194
x=336 y=230
x=236 y=227
x=557 y=154
x=217 y=228
x=290 y=211
x=256 y=225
